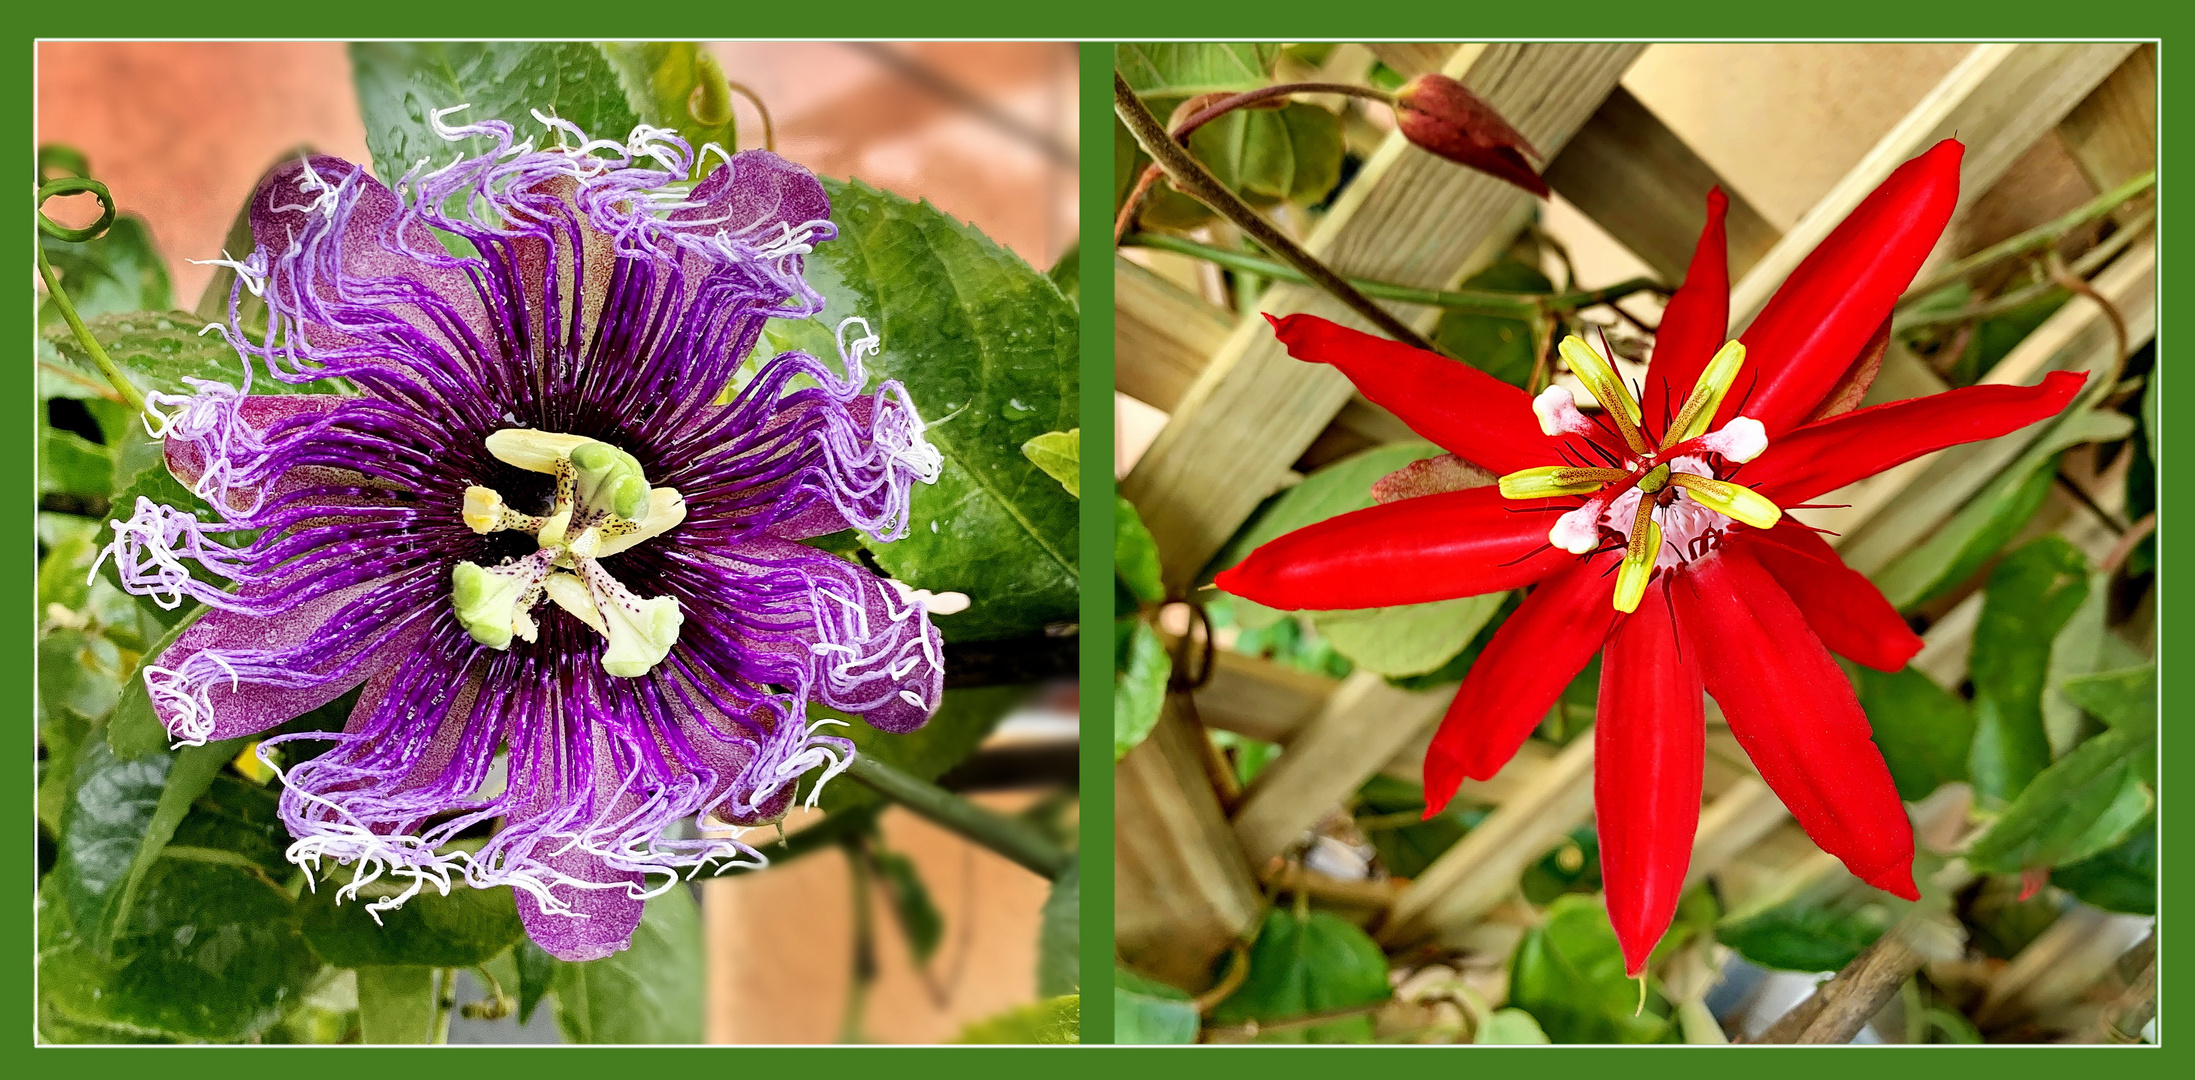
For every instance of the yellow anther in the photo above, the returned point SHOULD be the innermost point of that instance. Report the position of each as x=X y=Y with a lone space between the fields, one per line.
x=1655 y=479
x=1606 y=386
x=1638 y=559
x=483 y=509
x=1549 y=480
x=552 y=532
x=1734 y=501
x=1714 y=384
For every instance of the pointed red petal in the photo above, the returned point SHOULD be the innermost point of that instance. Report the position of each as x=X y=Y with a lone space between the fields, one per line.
x=1438 y=547
x=1843 y=608
x=1826 y=456
x=1794 y=713
x=1695 y=323
x=1544 y=645
x=1468 y=412
x=1814 y=327
x=1649 y=746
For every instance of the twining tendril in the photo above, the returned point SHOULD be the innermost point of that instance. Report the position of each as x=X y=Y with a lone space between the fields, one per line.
x=78 y=185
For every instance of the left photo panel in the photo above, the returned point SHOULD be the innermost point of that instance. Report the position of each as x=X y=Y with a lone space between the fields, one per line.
x=557 y=542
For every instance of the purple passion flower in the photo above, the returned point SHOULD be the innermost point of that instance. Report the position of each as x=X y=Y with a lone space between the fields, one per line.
x=551 y=524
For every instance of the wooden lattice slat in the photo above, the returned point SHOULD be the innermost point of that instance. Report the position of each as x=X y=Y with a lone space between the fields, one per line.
x=1998 y=101
x=1647 y=188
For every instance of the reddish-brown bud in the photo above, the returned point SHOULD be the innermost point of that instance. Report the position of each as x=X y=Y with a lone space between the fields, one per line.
x=1437 y=113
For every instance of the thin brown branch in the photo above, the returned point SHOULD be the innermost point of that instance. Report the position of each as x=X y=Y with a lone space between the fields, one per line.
x=1192 y=178
x=1844 y=1004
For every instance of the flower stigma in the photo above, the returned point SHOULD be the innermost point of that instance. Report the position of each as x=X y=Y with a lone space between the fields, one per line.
x=1667 y=503
x=603 y=506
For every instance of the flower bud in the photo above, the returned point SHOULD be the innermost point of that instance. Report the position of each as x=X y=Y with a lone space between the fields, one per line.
x=1438 y=114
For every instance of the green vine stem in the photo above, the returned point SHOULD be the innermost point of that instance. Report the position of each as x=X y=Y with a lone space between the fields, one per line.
x=864 y=972
x=1190 y=176
x=1503 y=305
x=2090 y=261
x=2039 y=238
x=1016 y=840
x=77 y=185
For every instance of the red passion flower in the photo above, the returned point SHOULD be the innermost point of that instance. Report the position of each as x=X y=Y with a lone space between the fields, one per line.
x=1659 y=534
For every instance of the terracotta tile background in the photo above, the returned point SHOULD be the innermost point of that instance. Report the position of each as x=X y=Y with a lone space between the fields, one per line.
x=180 y=130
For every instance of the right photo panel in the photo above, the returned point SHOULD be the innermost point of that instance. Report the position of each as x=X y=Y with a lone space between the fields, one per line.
x=1636 y=543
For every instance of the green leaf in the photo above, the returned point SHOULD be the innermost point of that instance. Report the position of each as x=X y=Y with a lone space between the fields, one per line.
x=1510 y=1027
x=649 y=993
x=1303 y=966
x=676 y=85
x=2089 y=800
x=964 y=716
x=1150 y=1013
x=118 y=270
x=467 y=927
x=1270 y=156
x=1059 y=454
x=121 y=813
x=68 y=558
x=989 y=352
x=536 y=973
x=1923 y=730
x=1051 y=1022
x=71 y=463
x=918 y=916
x=1806 y=933
x=396 y=1005
x=79 y=675
x=2124 y=699
x=1135 y=554
x=401 y=82
x=1568 y=973
x=1187 y=70
x=1498 y=346
x=1406 y=849
x=1059 y=935
x=159 y=349
x=1410 y=640
x=2031 y=595
x=236 y=817
x=1142 y=670
x=209 y=952
x=1067 y=274
x=2119 y=878
x=1994 y=515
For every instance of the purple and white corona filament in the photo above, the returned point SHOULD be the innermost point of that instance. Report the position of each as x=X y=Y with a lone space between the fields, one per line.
x=541 y=514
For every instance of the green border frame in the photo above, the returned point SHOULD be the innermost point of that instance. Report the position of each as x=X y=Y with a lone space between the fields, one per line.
x=1402 y=19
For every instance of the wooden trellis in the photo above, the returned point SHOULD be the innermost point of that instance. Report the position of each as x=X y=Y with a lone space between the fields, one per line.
x=1242 y=415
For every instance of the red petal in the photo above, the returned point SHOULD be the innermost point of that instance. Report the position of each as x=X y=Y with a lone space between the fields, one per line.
x=1544 y=645
x=1843 y=608
x=1794 y=713
x=1696 y=321
x=1475 y=415
x=1814 y=327
x=1826 y=456
x=1649 y=746
x=1438 y=547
